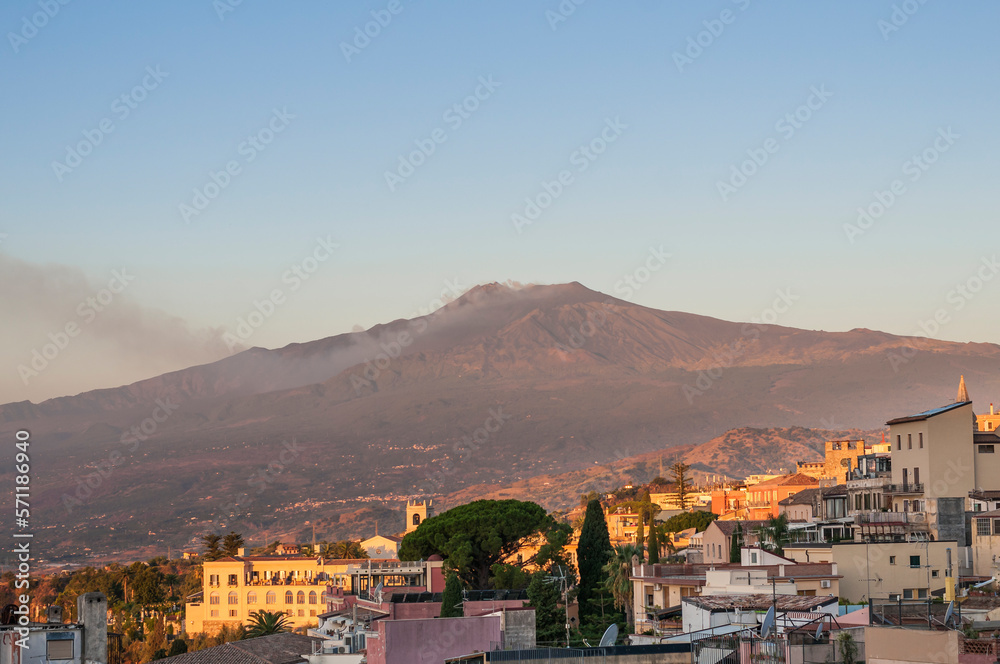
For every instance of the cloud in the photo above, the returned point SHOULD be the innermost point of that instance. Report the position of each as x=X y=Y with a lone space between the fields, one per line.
x=64 y=332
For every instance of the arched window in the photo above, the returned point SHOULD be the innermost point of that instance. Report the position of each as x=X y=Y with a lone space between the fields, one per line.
x=312 y=596
x=416 y=519
x=300 y=597
x=251 y=597
x=213 y=598
x=269 y=598
x=233 y=597
x=288 y=597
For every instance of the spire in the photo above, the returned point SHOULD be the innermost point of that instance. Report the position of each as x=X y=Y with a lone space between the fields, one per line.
x=963 y=394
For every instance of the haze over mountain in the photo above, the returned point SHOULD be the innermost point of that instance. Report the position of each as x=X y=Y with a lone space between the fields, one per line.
x=503 y=384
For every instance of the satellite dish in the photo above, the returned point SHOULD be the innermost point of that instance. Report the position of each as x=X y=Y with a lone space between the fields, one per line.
x=610 y=636
x=819 y=631
x=948 y=612
x=768 y=624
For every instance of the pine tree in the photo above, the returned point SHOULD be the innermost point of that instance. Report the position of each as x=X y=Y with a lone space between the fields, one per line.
x=683 y=484
x=451 y=600
x=550 y=619
x=592 y=553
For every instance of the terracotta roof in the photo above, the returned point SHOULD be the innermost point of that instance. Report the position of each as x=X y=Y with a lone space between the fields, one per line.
x=839 y=490
x=984 y=495
x=991 y=513
x=786 y=480
x=729 y=527
x=759 y=602
x=284 y=648
x=804 y=497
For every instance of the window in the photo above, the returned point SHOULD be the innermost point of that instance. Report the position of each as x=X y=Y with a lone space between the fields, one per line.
x=59 y=646
x=269 y=597
x=251 y=597
x=213 y=580
x=922 y=593
x=996 y=526
x=214 y=613
x=288 y=597
x=649 y=600
x=982 y=526
x=233 y=613
x=234 y=598
x=934 y=573
x=916 y=476
x=899 y=442
x=893 y=596
x=892 y=560
x=213 y=598
x=312 y=596
x=301 y=613
x=232 y=580
x=909 y=441
x=914 y=561
x=312 y=612
x=416 y=519
x=986 y=449
x=921 y=438
x=300 y=597
x=907 y=593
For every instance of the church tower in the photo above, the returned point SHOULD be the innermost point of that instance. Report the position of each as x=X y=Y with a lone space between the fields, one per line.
x=416 y=512
x=963 y=394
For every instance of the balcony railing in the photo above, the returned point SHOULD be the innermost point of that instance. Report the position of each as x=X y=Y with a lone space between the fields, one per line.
x=909 y=487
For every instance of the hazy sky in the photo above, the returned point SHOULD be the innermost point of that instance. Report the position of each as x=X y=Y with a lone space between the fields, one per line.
x=116 y=114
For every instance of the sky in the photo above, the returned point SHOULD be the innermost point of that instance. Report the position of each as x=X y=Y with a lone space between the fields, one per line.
x=338 y=165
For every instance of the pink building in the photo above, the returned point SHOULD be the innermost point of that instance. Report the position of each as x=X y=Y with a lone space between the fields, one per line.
x=431 y=640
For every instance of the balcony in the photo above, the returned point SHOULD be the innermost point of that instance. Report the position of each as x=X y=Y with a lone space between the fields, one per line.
x=907 y=488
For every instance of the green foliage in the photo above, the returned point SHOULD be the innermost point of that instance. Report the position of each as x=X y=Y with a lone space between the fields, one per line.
x=617 y=572
x=774 y=534
x=640 y=536
x=696 y=520
x=848 y=648
x=474 y=537
x=544 y=595
x=178 y=647
x=509 y=577
x=592 y=553
x=736 y=544
x=451 y=600
x=343 y=550
x=654 y=546
x=212 y=544
x=231 y=543
x=266 y=623
x=682 y=483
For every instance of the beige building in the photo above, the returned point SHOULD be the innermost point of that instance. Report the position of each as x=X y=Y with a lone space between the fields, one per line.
x=416 y=512
x=986 y=543
x=235 y=587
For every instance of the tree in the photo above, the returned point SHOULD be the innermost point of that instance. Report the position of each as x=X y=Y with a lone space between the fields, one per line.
x=697 y=520
x=617 y=581
x=654 y=545
x=544 y=595
x=232 y=543
x=640 y=536
x=474 y=537
x=344 y=550
x=451 y=600
x=178 y=647
x=211 y=542
x=736 y=545
x=509 y=577
x=266 y=623
x=774 y=534
x=592 y=553
x=681 y=482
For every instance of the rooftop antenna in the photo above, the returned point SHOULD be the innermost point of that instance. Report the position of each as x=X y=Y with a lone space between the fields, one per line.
x=561 y=579
x=610 y=636
x=768 y=624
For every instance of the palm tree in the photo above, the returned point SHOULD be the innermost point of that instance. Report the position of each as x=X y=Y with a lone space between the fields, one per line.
x=617 y=582
x=266 y=623
x=774 y=535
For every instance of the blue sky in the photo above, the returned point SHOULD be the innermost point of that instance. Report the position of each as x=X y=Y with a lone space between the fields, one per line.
x=656 y=184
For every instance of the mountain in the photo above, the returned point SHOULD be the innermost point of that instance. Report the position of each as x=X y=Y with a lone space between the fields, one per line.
x=503 y=384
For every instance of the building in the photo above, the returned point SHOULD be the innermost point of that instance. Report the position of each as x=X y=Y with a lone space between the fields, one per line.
x=988 y=422
x=730 y=501
x=699 y=613
x=383 y=547
x=841 y=457
x=68 y=643
x=417 y=511
x=236 y=586
x=763 y=498
x=287 y=550
x=800 y=506
x=716 y=540
x=986 y=543
x=285 y=648
x=432 y=640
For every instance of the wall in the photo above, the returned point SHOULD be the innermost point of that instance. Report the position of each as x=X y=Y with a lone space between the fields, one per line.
x=857 y=562
x=518 y=629
x=431 y=641
x=896 y=645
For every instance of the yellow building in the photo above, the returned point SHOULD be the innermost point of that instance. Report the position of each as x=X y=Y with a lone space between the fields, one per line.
x=235 y=587
x=988 y=422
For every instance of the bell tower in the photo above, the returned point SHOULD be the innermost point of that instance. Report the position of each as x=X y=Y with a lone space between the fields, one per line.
x=416 y=512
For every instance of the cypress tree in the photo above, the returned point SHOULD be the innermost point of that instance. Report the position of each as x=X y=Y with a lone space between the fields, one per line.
x=592 y=553
x=736 y=545
x=451 y=600
x=654 y=545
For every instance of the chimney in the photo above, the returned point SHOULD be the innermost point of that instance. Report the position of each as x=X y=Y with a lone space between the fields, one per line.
x=54 y=614
x=92 y=613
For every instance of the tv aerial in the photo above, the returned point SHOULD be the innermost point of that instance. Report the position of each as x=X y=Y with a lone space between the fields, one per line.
x=768 y=624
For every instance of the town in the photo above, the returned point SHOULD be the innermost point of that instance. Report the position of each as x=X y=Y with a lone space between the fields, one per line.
x=823 y=563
